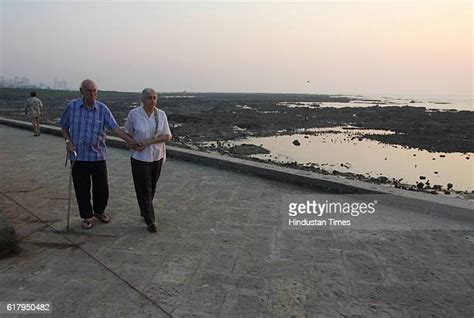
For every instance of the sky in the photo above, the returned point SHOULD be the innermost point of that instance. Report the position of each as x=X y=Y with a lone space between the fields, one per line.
x=333 y=47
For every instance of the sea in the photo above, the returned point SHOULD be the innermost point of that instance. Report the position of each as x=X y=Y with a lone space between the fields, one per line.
x=342 y=149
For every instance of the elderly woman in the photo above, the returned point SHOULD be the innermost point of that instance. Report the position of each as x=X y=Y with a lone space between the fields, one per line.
x=147 y=125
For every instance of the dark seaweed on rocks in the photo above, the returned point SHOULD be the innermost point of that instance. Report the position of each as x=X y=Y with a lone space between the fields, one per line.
x=198 y=117
x=247 y=150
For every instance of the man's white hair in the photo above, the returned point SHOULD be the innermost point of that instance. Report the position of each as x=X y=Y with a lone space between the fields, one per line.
x=88 y=80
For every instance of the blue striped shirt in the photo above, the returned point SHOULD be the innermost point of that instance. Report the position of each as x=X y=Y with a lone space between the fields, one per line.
x=87 y=128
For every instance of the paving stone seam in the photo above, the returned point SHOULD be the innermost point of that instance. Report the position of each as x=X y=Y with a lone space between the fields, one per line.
x=274 y=250
x=235 y=263
x=24 y=208
x=344 y=270
x=24 y=191
x=38 y=229
x=197 y=268
x=90 y=255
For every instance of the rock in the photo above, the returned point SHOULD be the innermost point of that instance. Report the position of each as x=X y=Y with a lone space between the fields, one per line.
x=450 y=186
x=442 y=156
x=382 y=179
x=8 y=243
x=437 y=187
x=246 y=150
x=296 y=142
x=422 y=178
x=420 y=185
x=436 y=172
x=306 y=136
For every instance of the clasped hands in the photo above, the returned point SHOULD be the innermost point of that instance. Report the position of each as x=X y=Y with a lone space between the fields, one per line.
x=136 y=146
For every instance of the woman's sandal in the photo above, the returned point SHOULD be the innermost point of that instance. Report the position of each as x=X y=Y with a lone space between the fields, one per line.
x=102 y=218
x=87 y=224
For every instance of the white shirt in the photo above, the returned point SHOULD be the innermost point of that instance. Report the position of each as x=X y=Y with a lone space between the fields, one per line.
x=141 y=126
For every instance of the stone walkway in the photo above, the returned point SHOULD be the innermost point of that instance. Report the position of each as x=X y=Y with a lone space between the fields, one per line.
x=219 y=251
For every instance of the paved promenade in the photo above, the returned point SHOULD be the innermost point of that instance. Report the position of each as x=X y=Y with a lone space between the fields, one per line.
x=219 y=251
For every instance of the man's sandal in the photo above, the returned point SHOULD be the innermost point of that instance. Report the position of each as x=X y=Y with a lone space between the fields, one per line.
x=102 y=218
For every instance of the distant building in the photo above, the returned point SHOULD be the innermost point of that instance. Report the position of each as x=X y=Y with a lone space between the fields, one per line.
x=60 y=84
x=24 y=82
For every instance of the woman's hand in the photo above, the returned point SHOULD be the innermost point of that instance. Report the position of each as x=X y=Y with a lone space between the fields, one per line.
x=141 y=146
x=138 y=146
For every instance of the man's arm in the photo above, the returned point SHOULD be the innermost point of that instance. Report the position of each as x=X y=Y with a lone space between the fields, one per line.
x=111 y=123
x=41 y=108
x=64 y=123
x=124 y=136
x=69 y=145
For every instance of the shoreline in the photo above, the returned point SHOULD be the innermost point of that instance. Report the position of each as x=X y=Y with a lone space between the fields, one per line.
x=380 y=180
x=219 y=117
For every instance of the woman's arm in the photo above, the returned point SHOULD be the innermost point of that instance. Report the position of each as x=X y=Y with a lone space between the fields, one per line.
x=156 y=140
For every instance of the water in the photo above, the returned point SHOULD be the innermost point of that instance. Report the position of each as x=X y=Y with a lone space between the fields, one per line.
x=430 y=102
x=340 y=149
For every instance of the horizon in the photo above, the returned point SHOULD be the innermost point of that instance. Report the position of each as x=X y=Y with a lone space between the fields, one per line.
x=383 y=48
x=434 y=97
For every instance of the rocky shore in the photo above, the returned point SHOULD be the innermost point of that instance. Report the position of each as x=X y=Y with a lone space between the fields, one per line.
x=213 y=118
x=246 y=151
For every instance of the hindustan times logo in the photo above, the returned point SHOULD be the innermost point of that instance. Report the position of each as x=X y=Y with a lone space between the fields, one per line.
x=324 y=208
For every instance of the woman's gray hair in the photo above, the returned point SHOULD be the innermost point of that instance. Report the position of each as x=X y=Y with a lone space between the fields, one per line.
x=148 y=91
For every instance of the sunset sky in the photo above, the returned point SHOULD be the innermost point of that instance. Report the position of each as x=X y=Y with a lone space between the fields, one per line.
x=340 y=47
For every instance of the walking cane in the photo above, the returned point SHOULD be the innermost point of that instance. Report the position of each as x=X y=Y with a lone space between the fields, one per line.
x=69 y=197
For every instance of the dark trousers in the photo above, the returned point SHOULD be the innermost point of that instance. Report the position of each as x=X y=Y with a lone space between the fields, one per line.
x=82 y=174
x=145 y=178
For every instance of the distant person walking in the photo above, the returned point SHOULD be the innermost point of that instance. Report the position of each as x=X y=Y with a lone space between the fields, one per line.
x=83 y=127
x=34 y=108
x=148 y=125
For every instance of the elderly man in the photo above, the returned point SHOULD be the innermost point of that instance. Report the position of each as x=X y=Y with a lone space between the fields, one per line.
x=83 y=127
x=34 y=108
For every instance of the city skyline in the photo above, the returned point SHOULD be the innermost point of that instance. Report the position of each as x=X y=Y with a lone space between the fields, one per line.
x=24 y=82
x=323 y=47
